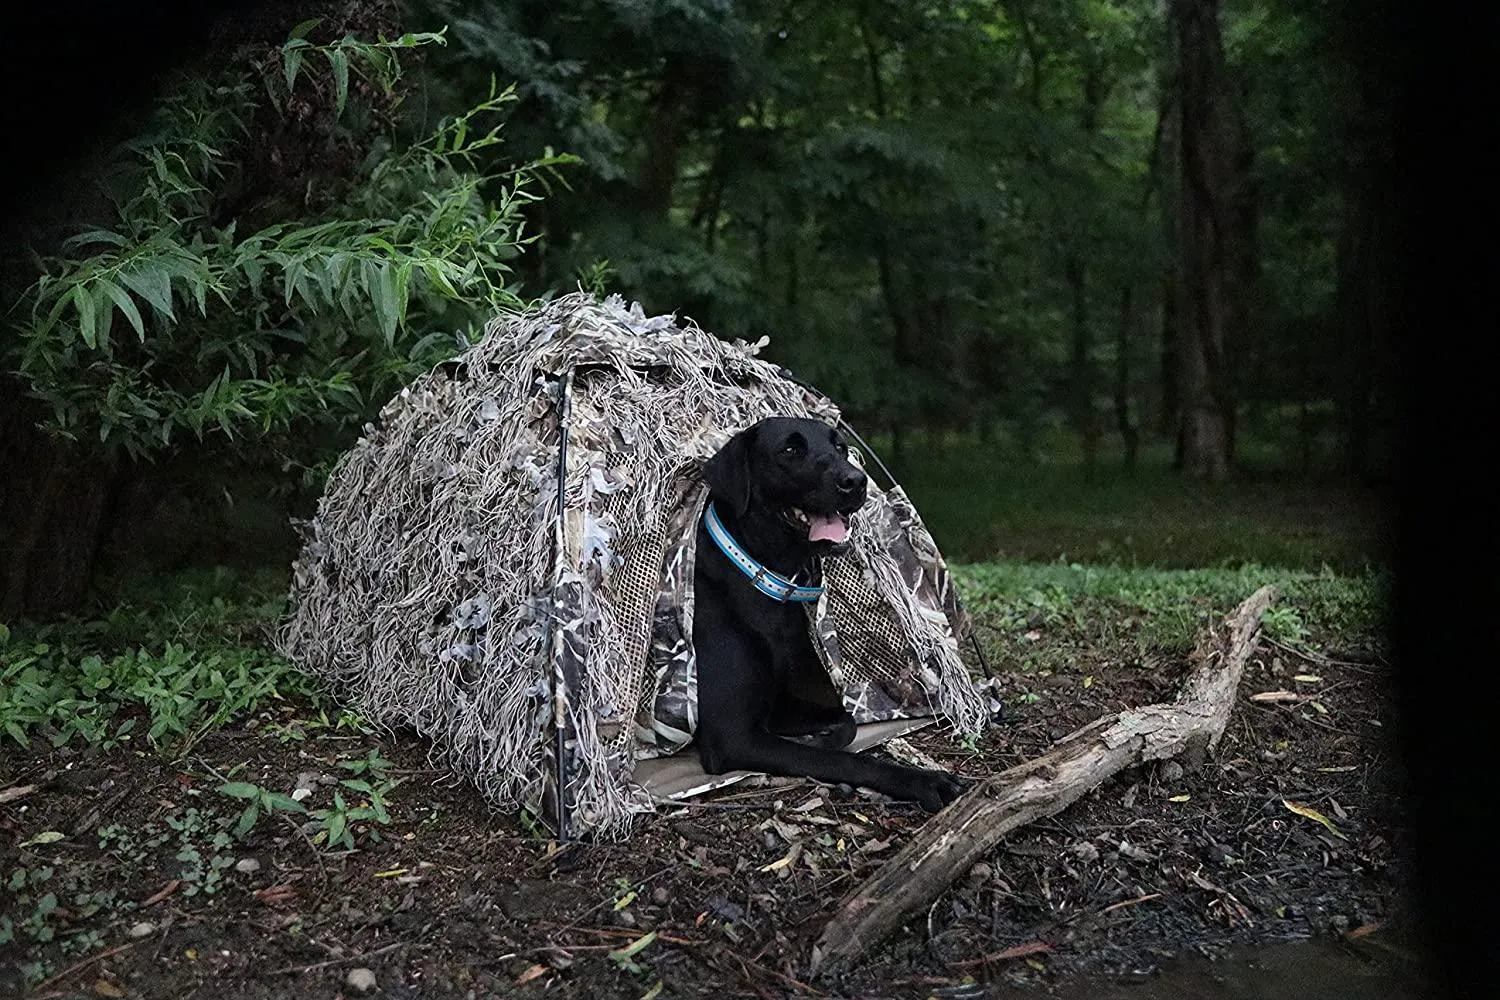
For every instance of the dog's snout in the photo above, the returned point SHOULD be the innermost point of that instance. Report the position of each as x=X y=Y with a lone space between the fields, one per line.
x=851 y=482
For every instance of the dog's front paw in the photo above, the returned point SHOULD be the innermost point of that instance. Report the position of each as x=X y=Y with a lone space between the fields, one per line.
x=933 y=790
x=838 y=735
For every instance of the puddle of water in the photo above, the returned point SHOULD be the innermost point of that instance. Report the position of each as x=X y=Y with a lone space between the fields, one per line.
x=1371 y=968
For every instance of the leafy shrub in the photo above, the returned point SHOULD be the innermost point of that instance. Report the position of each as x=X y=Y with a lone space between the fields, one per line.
x=168 y=670
x=205 y=303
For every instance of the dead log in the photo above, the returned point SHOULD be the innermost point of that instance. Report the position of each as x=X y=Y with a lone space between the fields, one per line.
x=951 y=842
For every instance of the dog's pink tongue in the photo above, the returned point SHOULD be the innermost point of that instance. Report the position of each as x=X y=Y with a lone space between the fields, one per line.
x=826 y=528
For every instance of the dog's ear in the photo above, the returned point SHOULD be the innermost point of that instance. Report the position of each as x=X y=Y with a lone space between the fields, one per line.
x=728 y=472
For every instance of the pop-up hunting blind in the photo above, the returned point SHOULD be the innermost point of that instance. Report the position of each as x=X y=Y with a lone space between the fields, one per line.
x=545 y=647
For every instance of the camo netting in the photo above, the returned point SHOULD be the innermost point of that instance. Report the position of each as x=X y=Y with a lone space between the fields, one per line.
x=441 y=588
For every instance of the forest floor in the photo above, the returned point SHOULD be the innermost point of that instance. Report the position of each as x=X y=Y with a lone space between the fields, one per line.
x=125 y=876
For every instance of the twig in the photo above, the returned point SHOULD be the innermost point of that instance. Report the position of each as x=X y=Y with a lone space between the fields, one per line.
x=745 y=970
x=302 y=969
x=95 y=813
x=1315 y=657
x=805 y=989
x=637 y=885
x=608 y=932
x=1016 y=951
x=1130 y=902
x=1288 y=710
x=76 y=966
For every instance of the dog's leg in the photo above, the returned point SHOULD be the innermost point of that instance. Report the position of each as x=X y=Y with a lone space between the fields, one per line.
x=829 y=727
x=754 y=751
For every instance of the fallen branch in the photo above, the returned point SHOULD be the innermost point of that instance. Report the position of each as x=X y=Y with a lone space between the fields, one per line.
x=951 y=842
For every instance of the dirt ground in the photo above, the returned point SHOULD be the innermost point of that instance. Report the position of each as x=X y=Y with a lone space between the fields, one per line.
x=153 y=899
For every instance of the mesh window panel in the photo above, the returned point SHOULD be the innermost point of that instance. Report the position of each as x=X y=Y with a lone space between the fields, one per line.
x=870 y=638
x=633 y=588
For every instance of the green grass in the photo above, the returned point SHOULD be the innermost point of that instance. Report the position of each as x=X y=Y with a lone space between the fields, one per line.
x=1042 y=616
x=984 y=506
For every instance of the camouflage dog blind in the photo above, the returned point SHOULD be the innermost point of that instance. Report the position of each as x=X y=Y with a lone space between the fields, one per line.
x=545 y=647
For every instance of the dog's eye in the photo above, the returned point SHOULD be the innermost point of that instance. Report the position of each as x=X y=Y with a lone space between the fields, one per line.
x=794 y=445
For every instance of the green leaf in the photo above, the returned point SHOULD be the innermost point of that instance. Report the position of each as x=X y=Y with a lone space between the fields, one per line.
x=336 y=827
x=301 y=30
x=45 y=837
x=239 y=790
x=248 y=819
x=60 y=303
x=402 y=286
x=84 y=302
x=292 y=63
x=94 y=236
x=339 y=63
x=633 y=949
x=127 y=306
x=150 y=283
x=380 y=285
x=279 y=801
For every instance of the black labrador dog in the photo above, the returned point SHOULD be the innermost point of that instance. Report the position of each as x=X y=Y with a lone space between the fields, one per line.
x=781 y=493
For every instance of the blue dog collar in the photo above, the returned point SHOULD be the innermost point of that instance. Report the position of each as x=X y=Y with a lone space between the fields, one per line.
x=767 y=582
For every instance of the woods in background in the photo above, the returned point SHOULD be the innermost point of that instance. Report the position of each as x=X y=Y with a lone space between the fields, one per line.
x=1095 y=231
x=1139 y=221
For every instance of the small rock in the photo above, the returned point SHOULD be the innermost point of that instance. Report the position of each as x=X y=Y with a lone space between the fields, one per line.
x=980 y=873
x=660 y=896
x=1171 y=771
x=625 y=918
x=360 y=980
x=247 y=865
x=1339 y=923
x=143 y=929
x=1084 y=851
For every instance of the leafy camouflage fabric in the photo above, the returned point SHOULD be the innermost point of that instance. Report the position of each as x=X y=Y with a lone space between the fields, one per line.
x=544 y=647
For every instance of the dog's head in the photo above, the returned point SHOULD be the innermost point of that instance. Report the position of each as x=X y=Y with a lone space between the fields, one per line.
x=795 y=470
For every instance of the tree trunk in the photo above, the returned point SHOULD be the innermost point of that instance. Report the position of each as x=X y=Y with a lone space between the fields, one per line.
x=1364 y=272
x=950 y=843
x=1208 y=217
x=55 y=505
x=1166 y=416
x=665 y=130
x=1081 y=365
x=1129 y=437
